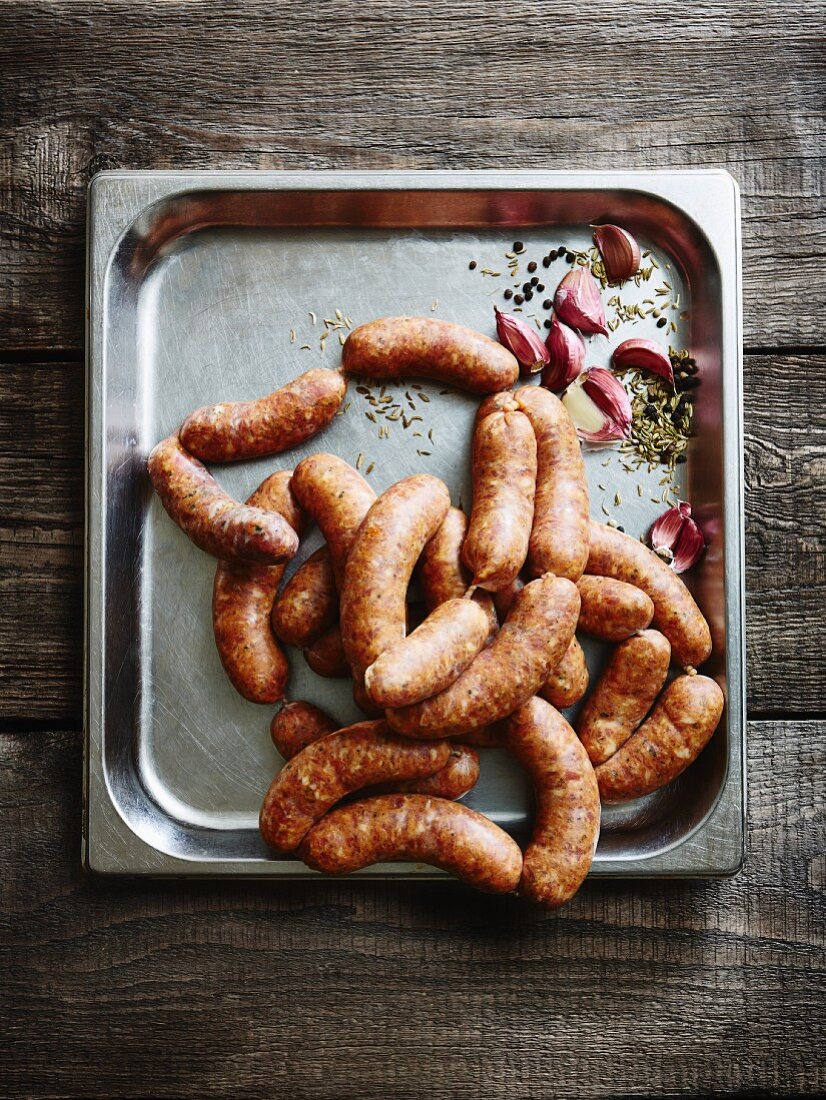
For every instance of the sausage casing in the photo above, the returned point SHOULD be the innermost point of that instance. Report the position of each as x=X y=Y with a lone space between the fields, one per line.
x=624 y=694
x=340 y=763
x=338 y=498
x=297 y=725
x=567 y=816
x=308 y=603
x=611 y=609
x=326 y=657
x=443 y=574
x=251 y=429
x=559 y=537
x=532 y=641
x=418 y=828
x=431 y=658
x=568 y=682
x=503 y=466
x=425 y=347
x=216 y=523
x=242 y=598
x=675 y=734
x=378 y=570
x=614 y=554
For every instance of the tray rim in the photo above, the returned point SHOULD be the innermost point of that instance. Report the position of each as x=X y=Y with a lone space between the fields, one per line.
x=105 y=832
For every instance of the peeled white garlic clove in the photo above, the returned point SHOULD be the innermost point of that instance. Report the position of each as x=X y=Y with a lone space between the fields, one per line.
x=578 y=304
x=598 y=406
x=677 y=538
x=566 y=352
x=521 y=340
x=620 y=252
x=640 y=354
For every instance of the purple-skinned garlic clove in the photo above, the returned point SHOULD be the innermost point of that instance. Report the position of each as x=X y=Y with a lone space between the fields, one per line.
x=521 y=340
x=578 y=303
x=641 y=354
x=566 y=350
x=676 y=537
x=598 y=406
x=620 y=252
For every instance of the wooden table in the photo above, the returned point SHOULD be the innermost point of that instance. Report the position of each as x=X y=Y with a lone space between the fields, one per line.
x=202 y=989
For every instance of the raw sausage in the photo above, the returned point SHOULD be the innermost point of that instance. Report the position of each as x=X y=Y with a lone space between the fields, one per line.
x=338 y=498
x=308 y=603
x=418 y=828
x=378 y=570
x=568 y=682
x=424 y=347
x=559 y=538
x=297 y=725
x=624 y=694
x=251 y=429
x=454 y=780
x=612 y=610
x=679 y=728
x=340 y=763
x=503 y=599
x=215 y=522
x=431 y=658
x=242 y=596
x=503 y=465
x=325 y=655
x=567 y=816
x=532 y=641
x=615 y=554
x=442 y=573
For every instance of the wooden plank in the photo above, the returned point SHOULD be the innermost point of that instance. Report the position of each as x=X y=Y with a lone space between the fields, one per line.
x=90 y=86
x=374 y=990
x=41 y=445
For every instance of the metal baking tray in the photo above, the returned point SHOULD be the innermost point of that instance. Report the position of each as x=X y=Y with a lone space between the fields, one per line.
x=207 y=286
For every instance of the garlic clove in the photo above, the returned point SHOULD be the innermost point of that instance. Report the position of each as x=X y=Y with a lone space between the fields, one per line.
x=598 y=406
x=521 y=340
x=577 y=302
x=566 y=351
x=620 y=252
x=640 y=354
x=677 y=537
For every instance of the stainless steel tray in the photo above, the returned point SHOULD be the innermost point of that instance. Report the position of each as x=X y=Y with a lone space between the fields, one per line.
x=195 y=281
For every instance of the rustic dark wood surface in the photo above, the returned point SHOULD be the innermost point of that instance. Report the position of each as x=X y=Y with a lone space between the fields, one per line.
x=196 y=989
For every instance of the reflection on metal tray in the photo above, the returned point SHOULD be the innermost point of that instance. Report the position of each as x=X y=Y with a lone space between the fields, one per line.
x=215 y=286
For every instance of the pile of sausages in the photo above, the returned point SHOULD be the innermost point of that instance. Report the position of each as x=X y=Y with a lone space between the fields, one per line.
x=489 y=657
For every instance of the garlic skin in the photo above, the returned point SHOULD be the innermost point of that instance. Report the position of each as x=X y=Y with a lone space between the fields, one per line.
x=525 y=344
x=566 y=352
x=677 y=538
x=577 y=302
x=620 y=252
x=639 y=354
x=599 y=407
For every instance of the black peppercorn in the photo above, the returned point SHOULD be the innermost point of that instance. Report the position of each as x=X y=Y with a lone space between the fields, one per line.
x=570 y=257
x=620 y=528
x=528 y=295
x=681 y=459
x=663 y=321
x=540 y=286
x=508 y=293
x=547 y=322
x=547 y=303
x=472 y=265
x=546 y=261
x=534 y=281
x=518 y=299
x=518 y=246
x=526 y=286
x=532 y=265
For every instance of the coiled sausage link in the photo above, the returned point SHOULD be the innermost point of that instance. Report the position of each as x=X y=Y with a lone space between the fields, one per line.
x=418 y=828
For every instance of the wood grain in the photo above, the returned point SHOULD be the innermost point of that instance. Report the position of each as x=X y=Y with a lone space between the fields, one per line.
x=41 y=536
x=118 y=988
x=422 y=85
